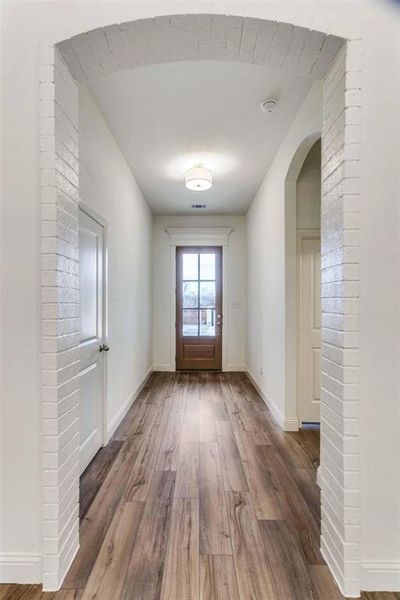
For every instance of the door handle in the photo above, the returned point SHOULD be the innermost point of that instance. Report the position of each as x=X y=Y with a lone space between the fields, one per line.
x=104 y=347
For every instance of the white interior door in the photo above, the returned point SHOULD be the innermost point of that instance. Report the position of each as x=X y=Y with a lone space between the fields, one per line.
x=91 y=376
x=309 y=326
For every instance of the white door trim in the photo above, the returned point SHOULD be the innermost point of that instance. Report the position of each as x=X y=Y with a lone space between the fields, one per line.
x=302 y=234
x=200 y=236
x=104 y=367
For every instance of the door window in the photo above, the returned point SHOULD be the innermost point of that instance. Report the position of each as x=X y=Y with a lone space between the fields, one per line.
x=198 y=294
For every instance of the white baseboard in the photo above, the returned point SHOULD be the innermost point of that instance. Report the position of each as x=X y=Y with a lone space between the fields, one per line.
x=53 y=581
x=120 y=414
x=20 y=567
x=226 y=369
x=285 y=424
x=378 y=576
x=350 y=588
x=290 y=425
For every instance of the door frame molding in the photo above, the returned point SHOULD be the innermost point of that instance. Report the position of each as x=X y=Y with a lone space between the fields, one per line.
x=302 y=234
x=104 y=364
x=199 y=236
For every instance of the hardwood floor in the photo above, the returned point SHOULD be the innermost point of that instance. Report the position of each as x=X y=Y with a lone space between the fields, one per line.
x=199 y=496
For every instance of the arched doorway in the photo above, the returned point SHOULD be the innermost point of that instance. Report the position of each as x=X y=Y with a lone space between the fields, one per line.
x=171 y=38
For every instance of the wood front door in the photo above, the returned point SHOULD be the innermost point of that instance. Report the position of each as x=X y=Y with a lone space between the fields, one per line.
x=199 y=308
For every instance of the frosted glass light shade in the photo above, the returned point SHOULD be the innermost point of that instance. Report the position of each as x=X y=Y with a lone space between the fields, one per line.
x=198 y=179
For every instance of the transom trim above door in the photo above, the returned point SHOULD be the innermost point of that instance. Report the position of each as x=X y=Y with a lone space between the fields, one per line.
x=199 y=236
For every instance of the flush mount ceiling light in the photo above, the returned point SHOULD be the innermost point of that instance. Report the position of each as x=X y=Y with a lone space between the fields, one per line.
x=198 y=179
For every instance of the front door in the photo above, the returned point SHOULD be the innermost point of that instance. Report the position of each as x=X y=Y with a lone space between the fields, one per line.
x=199 y=308
x=91 y=251
x=310 y=327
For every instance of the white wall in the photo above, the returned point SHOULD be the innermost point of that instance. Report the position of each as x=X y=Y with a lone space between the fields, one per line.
x=266 y=256
x=380 y=309
x=25 y=26
x=108 y=186
x=309 y=190
x=234 y=322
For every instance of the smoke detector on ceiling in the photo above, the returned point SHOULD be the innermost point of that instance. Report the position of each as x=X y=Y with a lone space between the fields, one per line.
x=268 y=105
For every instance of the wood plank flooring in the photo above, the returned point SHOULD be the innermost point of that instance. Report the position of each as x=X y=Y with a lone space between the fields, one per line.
x=199 y=496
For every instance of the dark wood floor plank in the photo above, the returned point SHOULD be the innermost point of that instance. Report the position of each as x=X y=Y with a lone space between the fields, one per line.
x=218 y=578
x=295 y=508
x=243 y=413
x=67 y=595
x=13 y=591
x=307 y=483
x=138 y=482
x=145 y=570
x=220 y=411
x=232 y=468
x=214 y=529
x=190 y=433
x=187 y=474
x=131 y=421
x=137 y=433
x=137 y=412
x=267 y=499
x=181 y=569
x=207 y=428
x=35 y=592
x=300 y=449
x=94 y=475
x=171 y=429
x=290 y=573
x=192 y=397
x=94 y=526
x=149 y=413
x=108 y=574
x=253 y=568
x=324 y=584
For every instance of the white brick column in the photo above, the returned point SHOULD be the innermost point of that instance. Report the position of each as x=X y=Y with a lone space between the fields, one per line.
x=340 y=541
x=60 y=314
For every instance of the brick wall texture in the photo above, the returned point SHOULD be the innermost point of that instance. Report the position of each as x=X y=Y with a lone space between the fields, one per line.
x=60 y=313
x=340 y=316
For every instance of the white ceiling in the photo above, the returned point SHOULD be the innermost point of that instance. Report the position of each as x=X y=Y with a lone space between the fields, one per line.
x=168 y=117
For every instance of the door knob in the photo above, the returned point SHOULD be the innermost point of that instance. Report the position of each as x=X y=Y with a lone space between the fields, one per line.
x=104 y=347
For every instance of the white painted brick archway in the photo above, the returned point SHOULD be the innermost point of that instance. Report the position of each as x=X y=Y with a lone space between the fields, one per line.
x=201 y=37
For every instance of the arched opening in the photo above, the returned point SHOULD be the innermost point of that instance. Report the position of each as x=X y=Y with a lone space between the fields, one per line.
x=291 y=279
x=117 y=47
x=309 y=288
